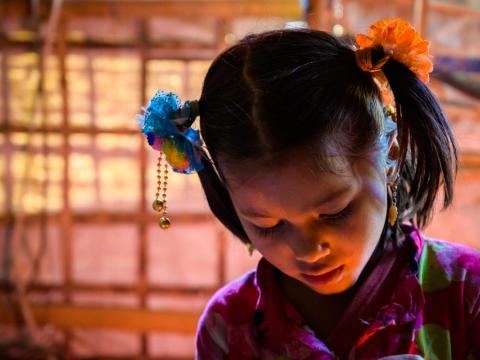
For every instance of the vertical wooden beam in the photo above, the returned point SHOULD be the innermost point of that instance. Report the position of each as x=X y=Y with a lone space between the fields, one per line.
x=222 y=28
x=7 y=150
x=93 y=93
x=42 y=67
x=66 y=210
x=21 y=278
x=5 y=257
x=316 y=14
x=142 y=205
x=420 y=16
x=93 y=121
x=5 y=117
x=66 y=216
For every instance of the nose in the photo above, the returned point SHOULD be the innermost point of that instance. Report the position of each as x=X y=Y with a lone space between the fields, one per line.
x=313 y=254
x=309 y=247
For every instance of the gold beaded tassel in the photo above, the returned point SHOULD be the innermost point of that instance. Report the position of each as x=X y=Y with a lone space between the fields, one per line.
x=161 y=205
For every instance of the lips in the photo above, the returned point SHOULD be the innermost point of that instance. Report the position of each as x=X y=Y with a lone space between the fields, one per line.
x=324 y=277
x=318 y=269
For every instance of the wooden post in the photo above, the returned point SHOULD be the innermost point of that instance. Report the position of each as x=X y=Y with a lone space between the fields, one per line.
x=420 y=13
x=7 y=151
x=142 y=205
x=93 y=119
x=317 y=14
x=66 y=217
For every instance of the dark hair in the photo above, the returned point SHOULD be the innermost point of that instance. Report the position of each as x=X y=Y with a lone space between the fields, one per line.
x=283 y=89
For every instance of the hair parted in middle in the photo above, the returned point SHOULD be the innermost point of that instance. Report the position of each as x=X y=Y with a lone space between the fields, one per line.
x=288 y=89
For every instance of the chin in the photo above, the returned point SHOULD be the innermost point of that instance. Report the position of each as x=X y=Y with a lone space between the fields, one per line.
x=332 y=290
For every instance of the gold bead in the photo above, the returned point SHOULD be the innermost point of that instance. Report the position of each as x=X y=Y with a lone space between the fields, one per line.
x=158 y=205
x=164 y=222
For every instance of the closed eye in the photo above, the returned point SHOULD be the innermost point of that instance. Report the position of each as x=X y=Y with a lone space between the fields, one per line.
x=265 y=232
x=330 y=218
x=341 y=215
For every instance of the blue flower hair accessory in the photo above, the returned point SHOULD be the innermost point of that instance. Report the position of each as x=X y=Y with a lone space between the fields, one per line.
x=166 y=124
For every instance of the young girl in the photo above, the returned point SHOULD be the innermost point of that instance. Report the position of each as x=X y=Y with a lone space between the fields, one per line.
x=326 y=158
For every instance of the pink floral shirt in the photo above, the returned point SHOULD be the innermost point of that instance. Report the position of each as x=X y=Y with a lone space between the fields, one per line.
x=422 y=300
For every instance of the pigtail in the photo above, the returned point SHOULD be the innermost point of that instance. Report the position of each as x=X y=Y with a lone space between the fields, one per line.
x=429 y=157
x=219 y=200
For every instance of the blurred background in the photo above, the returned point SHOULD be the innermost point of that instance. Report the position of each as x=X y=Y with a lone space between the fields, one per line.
x=85 y=271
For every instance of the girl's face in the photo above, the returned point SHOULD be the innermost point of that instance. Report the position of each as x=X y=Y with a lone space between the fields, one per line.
x=318 y=228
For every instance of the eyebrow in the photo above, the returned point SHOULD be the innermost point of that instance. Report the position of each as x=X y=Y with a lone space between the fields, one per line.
x=329 y=198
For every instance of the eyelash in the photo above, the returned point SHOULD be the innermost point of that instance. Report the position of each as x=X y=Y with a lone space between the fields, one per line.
x=333 y=219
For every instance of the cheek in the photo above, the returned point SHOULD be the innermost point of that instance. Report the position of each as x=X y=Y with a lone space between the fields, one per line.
x=365 y=229
x=266 y=245
x=275 y=248
x=362 y=231
x=374 y=203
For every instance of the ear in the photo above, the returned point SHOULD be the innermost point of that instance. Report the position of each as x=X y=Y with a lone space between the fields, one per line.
x=393 y=154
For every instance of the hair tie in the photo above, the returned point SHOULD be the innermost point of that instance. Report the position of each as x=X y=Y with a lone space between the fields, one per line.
x=364 y=60
x=166 y=124
x=185 y=115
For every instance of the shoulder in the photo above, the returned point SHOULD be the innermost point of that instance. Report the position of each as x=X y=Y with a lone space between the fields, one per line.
x=451 y=267
x=449 y=274
x=239 y=294
x=456 y=260
x=233 y=304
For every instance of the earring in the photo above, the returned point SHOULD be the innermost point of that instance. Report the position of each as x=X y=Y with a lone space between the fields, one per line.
x=250 y=248
x=161 y=205
x=393 y=210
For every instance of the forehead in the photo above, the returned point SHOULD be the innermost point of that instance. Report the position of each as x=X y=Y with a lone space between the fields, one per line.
x=294 y=186
x=306 y=161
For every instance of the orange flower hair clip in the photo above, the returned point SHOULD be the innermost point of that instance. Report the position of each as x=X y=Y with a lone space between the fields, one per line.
x=401 y=42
